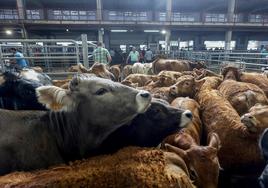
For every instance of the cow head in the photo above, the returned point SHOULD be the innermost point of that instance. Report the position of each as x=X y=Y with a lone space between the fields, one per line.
x=198 y=65
x=257 y=118
x=231 y=72
x=20 y=92
x=163 y=114
x=187 y=86
x=184 y=87
x=202 y=161
x=101 y=71
x=96 y=101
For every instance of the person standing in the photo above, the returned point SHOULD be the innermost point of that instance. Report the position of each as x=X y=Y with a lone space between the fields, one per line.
x=101 y=55
x=134 y=56
x=20 y=61
x=148 y=56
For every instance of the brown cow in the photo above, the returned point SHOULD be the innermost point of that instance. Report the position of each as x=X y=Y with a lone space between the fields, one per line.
x=258 y=79
x=130 y=167
x=127 y=70
x=239 y=142
x=116 y=71
x=160 y=81
x=139 y=79
x=201 y=161
x=172 y=74
x=186 y=85
x=257 y=117
x=78 y=68
x=175 y=65
x=195 y=127
x=101 y=71
x=162 y=93
x=242 y=96
x=206 y=165
x=98 y=69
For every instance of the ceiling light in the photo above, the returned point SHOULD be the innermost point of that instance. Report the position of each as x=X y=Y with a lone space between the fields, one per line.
x=67 y=30
x=8 y=32
x=119 y=30
x=163 y=31
x=151 y=31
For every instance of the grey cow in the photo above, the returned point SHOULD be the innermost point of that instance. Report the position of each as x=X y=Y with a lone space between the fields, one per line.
x=92 y=109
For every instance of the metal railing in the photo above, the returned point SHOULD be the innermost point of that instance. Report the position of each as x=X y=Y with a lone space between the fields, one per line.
x=49 y=54
x=249 y=61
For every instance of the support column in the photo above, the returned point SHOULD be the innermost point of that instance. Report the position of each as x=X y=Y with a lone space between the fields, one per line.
x=199 y=43
x=106 y=40
x=179 y=41
x=231 y=8
x=168 y=10
x=24 y=33
x=85 y=50
x=99 y=9
x=21 y=10
x=241 y=43
x=228 y=39
x=100 y=35
x=167 y=40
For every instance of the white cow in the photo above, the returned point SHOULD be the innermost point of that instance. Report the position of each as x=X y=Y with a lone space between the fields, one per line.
x=142 y=68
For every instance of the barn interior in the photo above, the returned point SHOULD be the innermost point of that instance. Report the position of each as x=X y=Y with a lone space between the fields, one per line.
x=205 y=61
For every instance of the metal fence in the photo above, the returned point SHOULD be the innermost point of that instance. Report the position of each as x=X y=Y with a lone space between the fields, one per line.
x=249 y=61
x=52 y=55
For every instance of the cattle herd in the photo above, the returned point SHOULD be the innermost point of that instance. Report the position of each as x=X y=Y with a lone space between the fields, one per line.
x=169 y=123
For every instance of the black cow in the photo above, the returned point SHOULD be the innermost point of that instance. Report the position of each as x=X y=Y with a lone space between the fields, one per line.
x=147 y=129
x=263 y=144
x=92 y=109
x=31 y=74
x=18 y=93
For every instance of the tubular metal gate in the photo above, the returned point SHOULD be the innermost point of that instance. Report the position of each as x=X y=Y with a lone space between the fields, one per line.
x=215 y=60
x=53 y=56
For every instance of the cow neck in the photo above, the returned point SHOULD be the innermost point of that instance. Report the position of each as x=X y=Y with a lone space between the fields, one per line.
x=65 y=127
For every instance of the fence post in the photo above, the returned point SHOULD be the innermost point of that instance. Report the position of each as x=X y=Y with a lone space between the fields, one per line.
x=1 y=60
x=85 y=50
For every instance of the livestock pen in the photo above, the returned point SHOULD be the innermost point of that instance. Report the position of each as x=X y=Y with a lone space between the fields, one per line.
x=54 y=56
x=248 y=61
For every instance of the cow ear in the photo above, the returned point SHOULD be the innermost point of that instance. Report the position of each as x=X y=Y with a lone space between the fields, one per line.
x=178 y=151
x=54 y=98
x=214 y=141
x=199 y=84
x=263 y=143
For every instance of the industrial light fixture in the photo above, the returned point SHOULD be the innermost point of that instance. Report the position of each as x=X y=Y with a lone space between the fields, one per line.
x=151 y=31
x=8 y=32
x=163 y=31
x=119 y=30
x=67 y=30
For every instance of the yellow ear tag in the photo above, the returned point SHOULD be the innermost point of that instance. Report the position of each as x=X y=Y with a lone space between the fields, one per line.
x=55 y=106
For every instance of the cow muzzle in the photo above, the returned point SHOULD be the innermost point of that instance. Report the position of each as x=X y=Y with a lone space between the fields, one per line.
x=186 y=117
x=143 y=99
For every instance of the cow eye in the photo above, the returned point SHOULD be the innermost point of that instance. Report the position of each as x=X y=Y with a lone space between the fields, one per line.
x=193 y=174
x=156 y=111
x=101 y=91
x=186 y=83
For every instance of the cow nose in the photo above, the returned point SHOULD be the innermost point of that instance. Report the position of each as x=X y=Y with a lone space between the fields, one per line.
x=145 y=94
x=188 y=114
x=173 y=88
